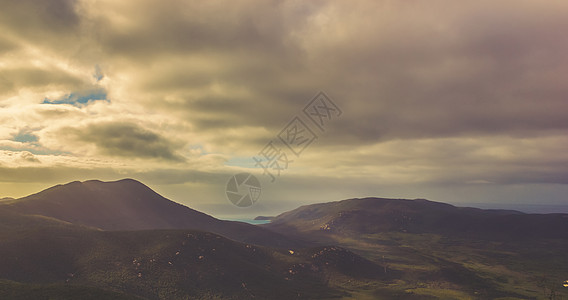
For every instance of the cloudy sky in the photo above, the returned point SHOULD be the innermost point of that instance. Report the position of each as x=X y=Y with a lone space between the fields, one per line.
x=462 y=102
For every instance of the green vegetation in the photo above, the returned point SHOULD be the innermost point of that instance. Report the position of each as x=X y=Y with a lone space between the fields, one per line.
x=425 y=266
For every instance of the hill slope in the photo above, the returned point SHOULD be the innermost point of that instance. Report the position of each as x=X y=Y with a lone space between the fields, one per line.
x=373 y=215
x=72 y=262
x=442 y=251
x=52 y=243
x=130 y=205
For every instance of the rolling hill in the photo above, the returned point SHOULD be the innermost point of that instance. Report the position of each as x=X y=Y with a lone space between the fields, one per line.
x=374 y=215
x=130 y=205
x=122 y=240
x=441 y=251
x=63 y=259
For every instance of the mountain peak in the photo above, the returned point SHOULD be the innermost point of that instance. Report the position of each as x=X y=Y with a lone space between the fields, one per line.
x=123 y=181
x=114 y=205
x=128 y=204
x=126 y=183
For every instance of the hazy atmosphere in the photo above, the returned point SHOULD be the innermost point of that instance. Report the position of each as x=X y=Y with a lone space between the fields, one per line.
x=460 y=102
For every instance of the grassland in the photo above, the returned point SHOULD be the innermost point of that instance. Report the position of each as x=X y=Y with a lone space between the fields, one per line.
x=427 y=266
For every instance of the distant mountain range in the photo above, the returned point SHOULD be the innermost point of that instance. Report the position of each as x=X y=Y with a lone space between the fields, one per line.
x=122 y=240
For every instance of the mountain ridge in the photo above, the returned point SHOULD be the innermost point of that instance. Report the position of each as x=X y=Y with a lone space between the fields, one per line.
x=372 y=215
x=122 y=237
x=128 y=204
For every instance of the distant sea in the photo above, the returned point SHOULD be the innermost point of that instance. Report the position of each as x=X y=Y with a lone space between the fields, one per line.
x=250 y=221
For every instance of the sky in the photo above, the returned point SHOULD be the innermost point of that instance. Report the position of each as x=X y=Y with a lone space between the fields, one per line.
x=460 y=102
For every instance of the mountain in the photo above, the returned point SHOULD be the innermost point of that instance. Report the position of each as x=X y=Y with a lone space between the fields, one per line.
x=439 y=251
x=374 y=215
x=121 y=240
x=130 y=205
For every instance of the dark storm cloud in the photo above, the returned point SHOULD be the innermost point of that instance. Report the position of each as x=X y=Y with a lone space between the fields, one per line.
x=492 y=70
x=438 y=92
x=489 y=69
x=37 y=17
x=183 y=26
x=124 y=139
x=212 y=113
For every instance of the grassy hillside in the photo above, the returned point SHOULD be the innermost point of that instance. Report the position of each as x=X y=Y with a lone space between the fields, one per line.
x=373 y=215
x=53 y=246
x=57 y=258
x=438 y=251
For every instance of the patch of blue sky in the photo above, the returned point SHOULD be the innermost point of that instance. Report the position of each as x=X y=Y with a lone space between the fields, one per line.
x=240 y=161
x=25 y=137
x=31 y=144
x=79 y=98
